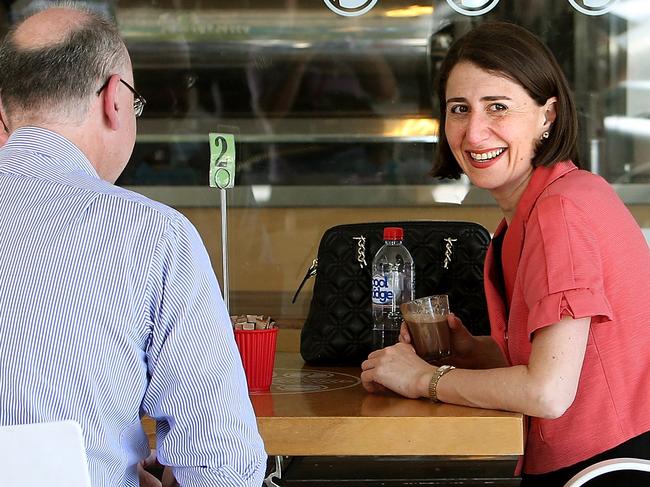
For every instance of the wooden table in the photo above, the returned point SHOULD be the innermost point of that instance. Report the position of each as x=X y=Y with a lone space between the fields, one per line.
x=320 y=411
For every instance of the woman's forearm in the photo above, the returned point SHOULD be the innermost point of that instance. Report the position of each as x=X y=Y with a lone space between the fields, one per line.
x=545 y=387
x=506 y=388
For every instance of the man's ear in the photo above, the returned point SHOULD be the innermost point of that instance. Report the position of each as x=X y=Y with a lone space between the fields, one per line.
x=4 y=130
x=110 y=102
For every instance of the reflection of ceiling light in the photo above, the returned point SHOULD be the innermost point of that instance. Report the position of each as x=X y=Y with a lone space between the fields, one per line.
x=261 y=192
x=633 y=10
x=635 y=84
x=637 y=126
x=412 y=11
x=416 y=127
x=451 y=192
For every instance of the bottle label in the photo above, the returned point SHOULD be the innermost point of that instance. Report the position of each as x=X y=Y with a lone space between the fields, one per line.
x=385 y=288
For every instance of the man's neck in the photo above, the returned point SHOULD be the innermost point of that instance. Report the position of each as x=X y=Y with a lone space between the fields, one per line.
x=87 y=140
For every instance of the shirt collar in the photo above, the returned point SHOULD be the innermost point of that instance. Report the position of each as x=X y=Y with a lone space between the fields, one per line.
x=541 y=179
x=44 y=144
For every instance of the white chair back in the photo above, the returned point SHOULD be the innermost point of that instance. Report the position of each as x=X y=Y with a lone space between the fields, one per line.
x=37 y=455
x=606 y=466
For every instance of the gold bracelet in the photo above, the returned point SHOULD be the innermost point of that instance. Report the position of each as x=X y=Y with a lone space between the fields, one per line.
x=433 y=385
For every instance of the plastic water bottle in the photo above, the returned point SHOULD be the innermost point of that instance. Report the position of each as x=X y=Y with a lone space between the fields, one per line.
x=393 y=282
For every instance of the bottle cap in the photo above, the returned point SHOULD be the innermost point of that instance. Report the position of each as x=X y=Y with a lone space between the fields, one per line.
x=393 y=233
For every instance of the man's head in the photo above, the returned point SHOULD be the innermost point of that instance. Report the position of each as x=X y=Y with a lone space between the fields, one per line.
x=61 y=70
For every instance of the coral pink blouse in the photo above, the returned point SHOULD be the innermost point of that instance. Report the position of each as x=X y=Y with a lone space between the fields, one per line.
x=573 y=249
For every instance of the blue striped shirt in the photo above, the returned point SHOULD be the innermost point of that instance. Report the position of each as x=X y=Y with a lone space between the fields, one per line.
x=110 y=309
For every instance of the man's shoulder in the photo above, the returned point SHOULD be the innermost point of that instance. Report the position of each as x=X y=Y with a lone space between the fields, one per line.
x=139 y=204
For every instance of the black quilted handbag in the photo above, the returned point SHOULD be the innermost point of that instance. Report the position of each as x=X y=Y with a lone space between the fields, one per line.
x=448 y=257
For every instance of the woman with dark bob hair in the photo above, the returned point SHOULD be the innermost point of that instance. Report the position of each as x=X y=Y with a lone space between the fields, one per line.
x=567 y=275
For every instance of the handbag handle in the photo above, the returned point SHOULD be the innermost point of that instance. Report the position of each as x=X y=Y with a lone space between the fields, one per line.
x=449 y=249
x=361 y=258
x=311 y=272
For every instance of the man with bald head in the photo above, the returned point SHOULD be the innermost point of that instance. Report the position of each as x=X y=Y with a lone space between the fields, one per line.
x=109 y=307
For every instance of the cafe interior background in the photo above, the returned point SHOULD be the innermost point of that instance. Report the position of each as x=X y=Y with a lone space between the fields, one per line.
x=332 y=106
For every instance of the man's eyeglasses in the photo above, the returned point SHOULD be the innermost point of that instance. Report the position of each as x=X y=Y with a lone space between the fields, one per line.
x=138 y=100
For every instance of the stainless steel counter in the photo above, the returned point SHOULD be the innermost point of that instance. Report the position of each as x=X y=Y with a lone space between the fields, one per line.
x=268 y=196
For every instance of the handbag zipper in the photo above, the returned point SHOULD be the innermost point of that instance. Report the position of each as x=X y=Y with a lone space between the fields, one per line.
x=311 y=272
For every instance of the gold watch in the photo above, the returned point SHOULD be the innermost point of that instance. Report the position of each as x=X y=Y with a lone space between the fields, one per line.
x=433 y=385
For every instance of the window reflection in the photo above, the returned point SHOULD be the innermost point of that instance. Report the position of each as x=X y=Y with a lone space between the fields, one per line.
x=313 y=101
x=318 y=99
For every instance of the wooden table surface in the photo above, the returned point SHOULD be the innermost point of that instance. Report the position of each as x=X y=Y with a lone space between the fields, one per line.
x=314 y=411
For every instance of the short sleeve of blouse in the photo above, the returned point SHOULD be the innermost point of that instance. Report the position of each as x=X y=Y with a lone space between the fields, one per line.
x=563 y=273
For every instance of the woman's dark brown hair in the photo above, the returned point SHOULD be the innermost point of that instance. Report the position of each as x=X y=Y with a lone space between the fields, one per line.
x=511 y=51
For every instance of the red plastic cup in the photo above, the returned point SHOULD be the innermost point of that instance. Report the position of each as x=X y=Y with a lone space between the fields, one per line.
x=257 y=350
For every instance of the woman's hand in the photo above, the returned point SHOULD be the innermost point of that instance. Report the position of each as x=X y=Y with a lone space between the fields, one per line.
x=472 y=352
x=399 y=369
x=463 y=343
x=404 y=335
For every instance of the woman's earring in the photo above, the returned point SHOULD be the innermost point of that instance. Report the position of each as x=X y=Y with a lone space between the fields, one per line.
x=545 y=135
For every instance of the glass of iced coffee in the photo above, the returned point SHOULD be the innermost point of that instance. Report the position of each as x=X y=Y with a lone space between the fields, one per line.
x=426 y=319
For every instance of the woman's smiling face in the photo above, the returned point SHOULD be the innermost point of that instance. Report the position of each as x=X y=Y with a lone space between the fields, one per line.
x=492 y=127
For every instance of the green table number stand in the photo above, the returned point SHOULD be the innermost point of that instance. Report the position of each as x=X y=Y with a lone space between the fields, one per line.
x=222 y=176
